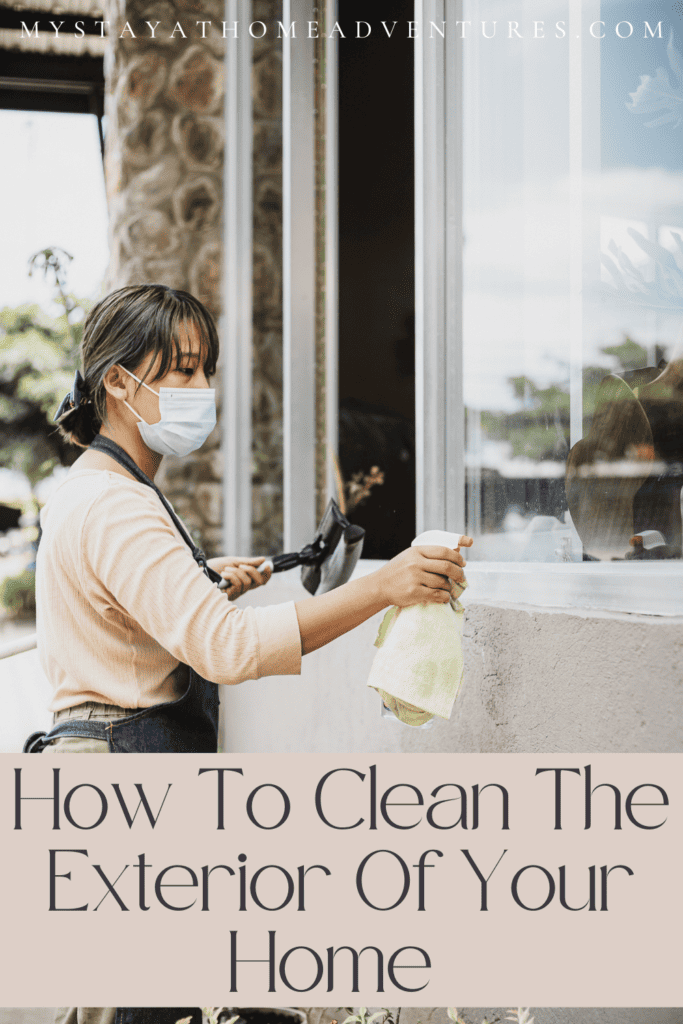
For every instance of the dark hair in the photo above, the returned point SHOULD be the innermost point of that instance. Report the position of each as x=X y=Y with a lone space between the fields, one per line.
x=127 y=325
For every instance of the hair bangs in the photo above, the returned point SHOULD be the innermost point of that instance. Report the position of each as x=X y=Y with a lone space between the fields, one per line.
x=180 y=310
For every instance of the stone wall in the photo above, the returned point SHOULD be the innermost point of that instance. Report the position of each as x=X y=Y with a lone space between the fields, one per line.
x=164 y=175
x=164 y=169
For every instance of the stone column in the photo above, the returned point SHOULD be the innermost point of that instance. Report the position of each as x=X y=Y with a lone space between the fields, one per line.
x=164 y=164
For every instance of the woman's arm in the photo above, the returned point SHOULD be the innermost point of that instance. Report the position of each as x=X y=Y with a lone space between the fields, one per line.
x=417 y=575
x=133 y=565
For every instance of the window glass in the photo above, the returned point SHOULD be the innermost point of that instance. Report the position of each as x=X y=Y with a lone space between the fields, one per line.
x=377 y=275
x=573 y=279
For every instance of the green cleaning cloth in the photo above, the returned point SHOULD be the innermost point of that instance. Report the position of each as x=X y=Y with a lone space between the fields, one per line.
x=418 y=667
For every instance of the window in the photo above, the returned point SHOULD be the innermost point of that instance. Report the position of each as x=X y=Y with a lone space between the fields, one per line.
x=572 y=283
x=376 y=274
x=550 y=163
x=548 y=295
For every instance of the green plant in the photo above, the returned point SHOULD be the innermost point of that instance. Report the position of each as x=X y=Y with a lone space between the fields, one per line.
x=454 y=1016
x=362 y=1017
x=38 y=357
x=520 y=1016
x=18 y=594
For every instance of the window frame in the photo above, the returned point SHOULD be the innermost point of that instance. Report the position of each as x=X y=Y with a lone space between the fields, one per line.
x=646 y=588
x=236 y=319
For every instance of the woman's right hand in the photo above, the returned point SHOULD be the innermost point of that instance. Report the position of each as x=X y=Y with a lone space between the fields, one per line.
x=422 y=574
x=241 y=573
x=416 y=576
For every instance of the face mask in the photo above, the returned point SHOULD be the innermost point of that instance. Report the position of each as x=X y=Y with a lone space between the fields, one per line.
x=188 y=415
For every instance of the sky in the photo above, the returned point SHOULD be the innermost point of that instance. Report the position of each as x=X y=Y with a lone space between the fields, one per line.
x=51 y=194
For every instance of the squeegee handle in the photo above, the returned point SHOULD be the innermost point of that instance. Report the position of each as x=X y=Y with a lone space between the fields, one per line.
x=280 y=563
x=312 y=554
x=277 y=563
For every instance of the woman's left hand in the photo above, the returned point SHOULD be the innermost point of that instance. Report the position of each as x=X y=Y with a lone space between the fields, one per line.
x=242 y=574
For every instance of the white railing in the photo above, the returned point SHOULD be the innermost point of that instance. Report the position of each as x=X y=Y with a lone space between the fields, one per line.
x=24 y=643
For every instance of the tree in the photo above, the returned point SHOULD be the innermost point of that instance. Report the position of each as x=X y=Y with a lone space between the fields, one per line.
x=540 y=429
x=38 y=358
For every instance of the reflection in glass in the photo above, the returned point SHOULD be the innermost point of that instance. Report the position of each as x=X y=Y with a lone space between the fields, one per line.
x=573 y=282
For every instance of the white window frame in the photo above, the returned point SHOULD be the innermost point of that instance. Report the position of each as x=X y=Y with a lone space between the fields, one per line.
x=298 y=278
x=298 y=275
x=236 y=320
x=299 y=268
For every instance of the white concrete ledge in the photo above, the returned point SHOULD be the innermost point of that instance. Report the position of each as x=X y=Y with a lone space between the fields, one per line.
x=642 y=588
x=645 y=588
x=12 y=647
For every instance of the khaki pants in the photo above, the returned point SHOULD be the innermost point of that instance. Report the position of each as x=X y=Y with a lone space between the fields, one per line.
x=84 y=745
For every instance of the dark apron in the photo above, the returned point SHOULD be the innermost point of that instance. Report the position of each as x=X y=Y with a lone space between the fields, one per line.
x=188 y=725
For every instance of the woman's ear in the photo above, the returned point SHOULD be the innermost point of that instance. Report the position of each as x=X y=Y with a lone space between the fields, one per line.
x=118 y=383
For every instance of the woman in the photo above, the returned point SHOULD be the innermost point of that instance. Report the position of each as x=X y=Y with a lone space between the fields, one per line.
x=133 y=632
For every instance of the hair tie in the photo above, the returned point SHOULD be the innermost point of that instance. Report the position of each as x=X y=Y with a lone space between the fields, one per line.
x=76 y=397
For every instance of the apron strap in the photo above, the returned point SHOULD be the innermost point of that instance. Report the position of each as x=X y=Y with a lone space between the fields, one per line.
x=117 y=453
x=37 y=741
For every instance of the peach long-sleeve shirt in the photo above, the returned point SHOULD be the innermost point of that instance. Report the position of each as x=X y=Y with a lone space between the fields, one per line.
x=122 y=603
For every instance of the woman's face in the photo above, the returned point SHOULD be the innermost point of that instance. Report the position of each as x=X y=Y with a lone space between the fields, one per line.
x=190 y=374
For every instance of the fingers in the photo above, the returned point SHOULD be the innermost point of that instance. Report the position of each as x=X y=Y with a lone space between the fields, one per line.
x=245 y=576
x=435 y=595
x=232 y=561
x=432 y=552
x=239 y=579
x=266 y=573
x=422 y=575
x=439 y=575
x=451 y=569
x=441 y=569
x=257 y=578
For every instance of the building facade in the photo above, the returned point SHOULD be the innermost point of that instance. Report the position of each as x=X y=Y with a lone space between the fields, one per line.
x=445 y=253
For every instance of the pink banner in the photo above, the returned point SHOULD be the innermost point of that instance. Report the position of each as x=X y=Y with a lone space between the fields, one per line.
x=335 y=880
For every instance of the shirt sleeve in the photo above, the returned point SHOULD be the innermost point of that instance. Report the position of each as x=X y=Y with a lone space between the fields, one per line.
x=132 y=558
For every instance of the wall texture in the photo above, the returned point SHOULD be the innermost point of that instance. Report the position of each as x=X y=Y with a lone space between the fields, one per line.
x=584 y=1015
x=164 y=177
x=549 y=1015
x=535 y=680
x=164 y=170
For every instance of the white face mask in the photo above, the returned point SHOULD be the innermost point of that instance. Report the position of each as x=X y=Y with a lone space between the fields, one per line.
x=188 y=415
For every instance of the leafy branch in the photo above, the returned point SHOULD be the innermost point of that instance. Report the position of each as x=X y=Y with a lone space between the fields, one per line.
x=53 y=263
